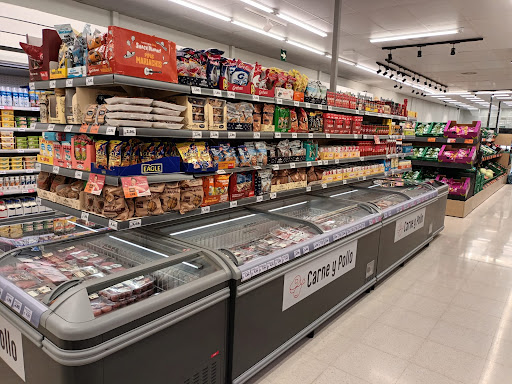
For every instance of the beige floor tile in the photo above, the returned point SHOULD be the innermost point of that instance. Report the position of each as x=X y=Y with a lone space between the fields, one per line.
x=486 y=290
x=334 y=376
x=408 y=321
x=300 y=368
x=433 y=291
x=350 y=325
x=370 y=364
x=327 y=346
x=391 y=340
x=461 y=338
x=414 y=374
x=496 y=374
x=422 y=305
x=471 y=319
x=456 y=365
x=369 y=308
x=479 y=304
x=398 y=281
x=386 y=294
x=501 y=352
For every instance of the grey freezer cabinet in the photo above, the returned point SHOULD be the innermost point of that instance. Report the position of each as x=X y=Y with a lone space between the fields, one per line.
x=118 y=307
x=413 y=213
x=286 y=286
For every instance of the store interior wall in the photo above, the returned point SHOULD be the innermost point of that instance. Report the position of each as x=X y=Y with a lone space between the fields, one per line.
x=427 y=110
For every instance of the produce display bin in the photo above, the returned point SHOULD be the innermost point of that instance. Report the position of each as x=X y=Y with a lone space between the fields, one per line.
x=123 y=307
x=299 y=261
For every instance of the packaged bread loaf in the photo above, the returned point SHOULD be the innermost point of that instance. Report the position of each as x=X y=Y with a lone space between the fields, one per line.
x=191 y=195
x=170 y=197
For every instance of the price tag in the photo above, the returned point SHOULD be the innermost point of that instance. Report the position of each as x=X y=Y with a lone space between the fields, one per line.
x=275 y=167
x=196 y=90
x=56 y=169
x=279 y=101
x=95 y=128
x=9 y=299
x=214 y=135
x=294 y=135
x=83 y=128
x=256 y=167
x=356 y=136
x=277 y=135
x=110 y=131
x=259 y=199
x=336 y=161
x=217 y=93
x=468 y=141
x=221 y=172
x=38 y=166
x=135 y=223
x=112 y=224
x=273 y=195
x=205 y=209
x=256 y=135
x=231 y=135
x=38 y=200
x=364 y=178
x=197 y=134
x=31 y=85
x=29 y=171
x=344 y=182
x=233 y=204
x=231 y=94
x=33 y=125
x=89 y=81
x=17 y=305
x=310 y=135
x=431 y=139
x=3 y=172
x=321 y=162
x=308 y=189
x=69 y=83
x=376 y=139
x=85 y=216
x=68 y=128
x=296 y=103
x=292 y=165
x=362 y=158
x=324 y=185
x=329 y=107
x=78 y=175
x=27 y=313
x=309 y=164
x=327 y=135
x=319 y=106
x=451 y=140
x=129 y=132
x=52 y=84
x=255 y=97
x=20 y=150
x=308 y=105
x=51 y=127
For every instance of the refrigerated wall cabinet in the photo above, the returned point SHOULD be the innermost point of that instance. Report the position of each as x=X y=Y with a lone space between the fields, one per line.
x=118 y=307
x=296 y=263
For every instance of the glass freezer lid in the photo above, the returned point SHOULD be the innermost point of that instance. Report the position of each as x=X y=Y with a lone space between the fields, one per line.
x=408 y=188
x=40 y=270
x=381 y=199
x=249 y=236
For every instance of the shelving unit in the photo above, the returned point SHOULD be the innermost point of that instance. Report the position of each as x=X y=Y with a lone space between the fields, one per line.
x=442 y=140
x=25 y=109
x=438 y=164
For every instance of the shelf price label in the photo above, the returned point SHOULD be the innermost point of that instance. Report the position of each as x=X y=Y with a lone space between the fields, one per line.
x=256 y=135
x=279 y=101
x=273 y=195
x=231 y=94
x=31 y=85
x=277 y=135
x=324 y=185
x=292 y=165
x=51 y=127
x=112 y=224
x=231 y=135
x=310 y=135
x=336 y=161
x=197 y=134
x=68 y=128
x=129 y=131
x=309 y=164
x=233 y=204
x=33 y=125
x=205 y=209
x=259 y=199
x=468 y=141
x=431 y=139
x=56 y=169
x=308 y=189
x=69 y=83
x=89 y=81
x=255 y=97
x=214 y=135
x=38 y=166
x=136 y=223
x=327 y=135
x=451 y=140
x=296 y=103
x=78 y=175
x=275 y=167
x=85 y=216
x=95 y=128
x=329 y=107
x=52 y=84
x=38 y=200
x=196 y=90
x=217 y=93
x=307 y=105
x=294 y=135
x=221 y=172
x=110 y=131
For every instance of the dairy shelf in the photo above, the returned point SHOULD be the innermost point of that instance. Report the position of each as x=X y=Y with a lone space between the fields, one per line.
x=173 y=216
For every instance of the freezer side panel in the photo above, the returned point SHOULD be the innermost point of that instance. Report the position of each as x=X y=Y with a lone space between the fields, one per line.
x=392 y=248
x=437 y=212
x=41 y=369
x=192 y=348
x=261 y=326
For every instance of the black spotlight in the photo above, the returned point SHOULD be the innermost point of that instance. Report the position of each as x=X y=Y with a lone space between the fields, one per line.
x=453 y=51
x=430 y=85
x=419 y=53
x=401 y=87
x=445 y=91
x=391 y=76
x=413 y=78
x=385 y=73
x=404 y=80
x=390 y=56
x=435 y=87
x=396 y=86
x=418 y=92
x=379 y=71
x=418 y=80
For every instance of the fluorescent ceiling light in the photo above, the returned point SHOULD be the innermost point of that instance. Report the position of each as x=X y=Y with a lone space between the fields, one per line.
x=367 y=69
x=492 y=92
x=346 y=61
x=258 y=5
x=415 y=36
x=201 y=9
x=258 y=30
x=301 y=24
x=437 y=95
x=310 y=49
x=457 y=93
x=504 y=98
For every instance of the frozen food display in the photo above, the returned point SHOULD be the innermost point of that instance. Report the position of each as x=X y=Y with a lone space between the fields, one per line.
x=381 y=199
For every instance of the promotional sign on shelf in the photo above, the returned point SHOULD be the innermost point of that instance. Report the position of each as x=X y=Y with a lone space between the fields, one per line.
x=95 y=184
x=11 y=347
x=309 y=278
x=409 y=224
x=135 y=186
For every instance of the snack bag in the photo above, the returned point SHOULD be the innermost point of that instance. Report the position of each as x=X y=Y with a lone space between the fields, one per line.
x=114 y=153
x=101 y=147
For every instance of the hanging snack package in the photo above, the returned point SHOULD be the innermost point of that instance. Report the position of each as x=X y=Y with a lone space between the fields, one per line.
x=101 y=154
x=281 y=119
x=170 y=197
x=114 y=153
x=191 y=195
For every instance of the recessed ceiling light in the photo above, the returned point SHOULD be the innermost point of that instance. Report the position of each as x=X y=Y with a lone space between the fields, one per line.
x=301 y=24
x=415 y=36
x=258 y=5
x=258 y=30
x=201 y=9
x=310 y=49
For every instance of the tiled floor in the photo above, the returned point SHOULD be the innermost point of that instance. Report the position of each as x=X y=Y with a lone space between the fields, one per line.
x=444 y=318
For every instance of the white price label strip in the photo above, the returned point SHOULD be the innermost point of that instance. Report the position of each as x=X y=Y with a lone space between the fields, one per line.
x=33 y=125
x=255 y=97
x=56 y=169
x=31 y=85
x=279 y=101
x=110 y=131
x=69 y=83
x=135 y=223
x=205 y=209
x=78 y=175
x=259 y=199
x=309 y=163
x=38 y=200
x=344 y=182
x=197 y=134
x=233 y=204
x=310 y=135
x=273 y=195
x=292 y=165
x=308 y=189
x=217 y=93
x=256 y=135
x=308 y=105
x=327 y=135
x=38 y=166
x=68 y=128
x=324 y=185
x=329 y=108
x=275 y=167
x=196 y=90
x=294 y=135
x=112 y=224
x=89 y=81
x=277 y=135
x=221 y=172
x=336 y=161
x=85 y=216
x=51 y=127
x=214 y=135
x=129 y=131
x=52 y=84
x=231 y=95
x=231 y=135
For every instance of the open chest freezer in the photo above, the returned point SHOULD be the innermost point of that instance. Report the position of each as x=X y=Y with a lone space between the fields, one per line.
x=297 y=263
x=411 y=216
x=117 y=307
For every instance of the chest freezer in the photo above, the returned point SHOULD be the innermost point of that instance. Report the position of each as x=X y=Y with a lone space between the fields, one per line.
x=113 y=307
x=297 y=262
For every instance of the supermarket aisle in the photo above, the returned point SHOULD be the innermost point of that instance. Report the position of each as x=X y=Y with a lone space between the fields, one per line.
x=445 y=318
